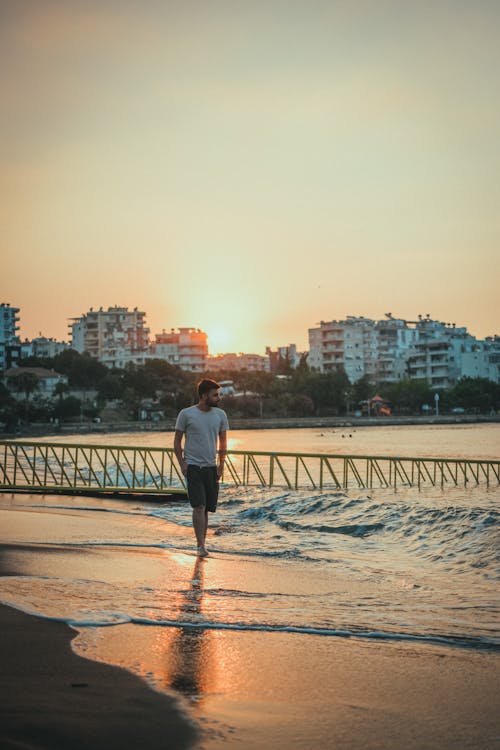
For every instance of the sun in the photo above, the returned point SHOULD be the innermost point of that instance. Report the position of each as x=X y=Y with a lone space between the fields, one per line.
x=219 y=339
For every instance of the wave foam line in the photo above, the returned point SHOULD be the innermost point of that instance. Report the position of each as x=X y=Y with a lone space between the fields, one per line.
x=288 y=554
x=91 y=544
x=110 y=619
x=443 y=640
x=97 y=509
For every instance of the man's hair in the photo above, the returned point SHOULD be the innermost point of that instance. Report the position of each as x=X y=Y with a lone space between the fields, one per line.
x=206 y=385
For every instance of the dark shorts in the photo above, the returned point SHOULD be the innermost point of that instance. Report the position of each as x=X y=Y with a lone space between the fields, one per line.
x=203 y=487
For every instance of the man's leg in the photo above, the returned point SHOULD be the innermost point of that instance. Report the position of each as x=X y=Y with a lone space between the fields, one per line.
x=197 y=498
x=211 y=486
x=206 y=527
x=200 y=523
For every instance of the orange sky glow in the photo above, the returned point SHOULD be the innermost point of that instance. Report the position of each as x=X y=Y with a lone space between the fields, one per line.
x=250 y=168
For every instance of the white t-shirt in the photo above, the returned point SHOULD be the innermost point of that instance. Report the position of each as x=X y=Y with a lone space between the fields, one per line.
x=202 y=430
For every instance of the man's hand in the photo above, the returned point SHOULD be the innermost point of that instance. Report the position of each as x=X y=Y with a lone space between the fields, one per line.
x=178 y=451
x=222 y=452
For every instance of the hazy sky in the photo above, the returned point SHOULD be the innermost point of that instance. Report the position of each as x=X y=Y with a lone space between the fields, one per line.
x=250 y=167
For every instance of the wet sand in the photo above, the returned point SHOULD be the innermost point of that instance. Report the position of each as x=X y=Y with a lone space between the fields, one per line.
x=298 y=692
x=261 y=690
x=52 y=699
x=216 y=688
x=248 y=690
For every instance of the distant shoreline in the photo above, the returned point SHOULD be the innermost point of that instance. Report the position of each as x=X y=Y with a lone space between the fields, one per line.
x=167 y=425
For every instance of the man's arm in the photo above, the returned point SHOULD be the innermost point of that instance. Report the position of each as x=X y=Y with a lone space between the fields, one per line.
x=179 y=452
x=222 y=452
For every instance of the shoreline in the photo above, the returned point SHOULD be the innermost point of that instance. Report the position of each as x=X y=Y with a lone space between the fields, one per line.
x=152 y=685
x=276 y=689
x=167 y=425
x=52 y=699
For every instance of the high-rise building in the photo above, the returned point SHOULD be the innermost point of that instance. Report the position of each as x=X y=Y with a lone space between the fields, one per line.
x=391 y=349
x=185 y=347
x=492 y=346
x=431 y=356
x=443 y=353
x=350 y=344
x=116 y=336
x=10 y=344
x=394 y=339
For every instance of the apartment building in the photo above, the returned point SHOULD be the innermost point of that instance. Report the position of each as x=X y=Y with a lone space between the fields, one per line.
x=391 y=349
x=185 y=347
x=10 y=345
x=443 y=353
x=479 y=363
x=431 y=360
x=42 y=347
x=492 y=346
x=239 y=362
x=394 y=340
x=116 y=336
x=350 y=344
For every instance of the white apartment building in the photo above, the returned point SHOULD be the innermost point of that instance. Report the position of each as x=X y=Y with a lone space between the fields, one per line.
x=10 y=345
x=185 y=347
x=239 y=362
x=42 y=347
x=473 y=358
x=479 y=364
x=492 y=346
x=350 y=343
x=391 y=349
x=394 y=339
x=431 y=360
x=443 y=353
x=116 y=336
x=78 y=328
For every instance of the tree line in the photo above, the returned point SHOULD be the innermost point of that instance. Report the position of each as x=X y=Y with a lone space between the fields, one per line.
x=301 y=392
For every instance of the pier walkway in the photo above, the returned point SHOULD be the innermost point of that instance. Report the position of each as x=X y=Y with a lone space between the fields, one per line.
x=68 y=467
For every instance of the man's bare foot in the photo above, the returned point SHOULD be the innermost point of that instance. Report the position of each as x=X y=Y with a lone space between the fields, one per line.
x=202 y=552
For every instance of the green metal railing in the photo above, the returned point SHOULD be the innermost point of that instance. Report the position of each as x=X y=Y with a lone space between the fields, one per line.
x=50 y=467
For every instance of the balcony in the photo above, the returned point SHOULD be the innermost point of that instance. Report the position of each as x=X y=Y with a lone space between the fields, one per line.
x=335 y=340
x=333 y=348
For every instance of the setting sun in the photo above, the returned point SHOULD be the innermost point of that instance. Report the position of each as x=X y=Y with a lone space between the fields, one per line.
x=220 y=339
x=281 y=169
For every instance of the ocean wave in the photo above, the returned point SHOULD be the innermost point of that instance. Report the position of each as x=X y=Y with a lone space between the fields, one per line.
x=467 y=537
x=355 y=530
x=110 y=619
x=463 y=536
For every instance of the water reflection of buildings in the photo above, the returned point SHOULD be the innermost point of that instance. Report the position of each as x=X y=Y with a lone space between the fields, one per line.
x=191 y=653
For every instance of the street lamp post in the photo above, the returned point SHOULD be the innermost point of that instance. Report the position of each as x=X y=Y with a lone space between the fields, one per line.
x=436 y=401
x=347 y=402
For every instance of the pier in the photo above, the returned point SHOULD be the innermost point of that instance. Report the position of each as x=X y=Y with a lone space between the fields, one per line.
x=85 y=468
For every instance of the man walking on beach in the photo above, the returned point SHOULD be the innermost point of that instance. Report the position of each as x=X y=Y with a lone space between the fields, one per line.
x=204 y=427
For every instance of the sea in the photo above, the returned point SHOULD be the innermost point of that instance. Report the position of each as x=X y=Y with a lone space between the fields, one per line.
x=381 y=564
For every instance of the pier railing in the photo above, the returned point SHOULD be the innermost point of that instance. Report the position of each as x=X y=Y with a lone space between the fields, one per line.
x=68 y=467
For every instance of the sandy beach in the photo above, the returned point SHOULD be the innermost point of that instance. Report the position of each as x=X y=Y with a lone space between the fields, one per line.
x=53 y=699
x=248 y=690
